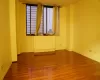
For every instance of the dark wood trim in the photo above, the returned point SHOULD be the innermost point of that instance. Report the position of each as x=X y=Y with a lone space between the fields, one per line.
x=14 y=62
x=40 y=35
x=48 y=35
x=18 y=54
x=31 y=4
x=30 y=35
x=43 y=5
x=48 y=6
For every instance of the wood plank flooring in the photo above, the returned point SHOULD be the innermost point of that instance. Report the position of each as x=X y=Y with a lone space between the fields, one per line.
x=59 y=65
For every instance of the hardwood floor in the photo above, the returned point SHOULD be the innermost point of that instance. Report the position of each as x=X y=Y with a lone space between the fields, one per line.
x=62 y=65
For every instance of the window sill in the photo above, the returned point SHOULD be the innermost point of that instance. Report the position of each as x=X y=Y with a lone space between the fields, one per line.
x=41 y=35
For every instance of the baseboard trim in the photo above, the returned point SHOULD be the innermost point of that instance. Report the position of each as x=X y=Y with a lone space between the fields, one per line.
x=23 y=53
x=14 y=62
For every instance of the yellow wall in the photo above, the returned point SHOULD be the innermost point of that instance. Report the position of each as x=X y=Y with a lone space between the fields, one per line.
x=12 y=14
x=40 y=43
x=62 y=41
x=86 y=28
x=5 y=51
x=24 y=43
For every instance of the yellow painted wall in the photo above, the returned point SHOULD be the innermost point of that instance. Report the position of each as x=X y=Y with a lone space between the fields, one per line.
x=5 y=50
x=44 y=43
x=62 y=41
x=40 y=43
x=86 y=28
x=24 y=43
x=12 y=13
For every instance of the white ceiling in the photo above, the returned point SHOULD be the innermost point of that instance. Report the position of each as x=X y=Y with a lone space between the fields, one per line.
x=51 y=2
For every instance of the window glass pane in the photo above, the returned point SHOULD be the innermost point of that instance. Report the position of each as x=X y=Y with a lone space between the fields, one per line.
x=49 y=19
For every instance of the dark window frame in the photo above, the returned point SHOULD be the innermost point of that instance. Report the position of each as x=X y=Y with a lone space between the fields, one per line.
x=44 y=34
x=30 y=19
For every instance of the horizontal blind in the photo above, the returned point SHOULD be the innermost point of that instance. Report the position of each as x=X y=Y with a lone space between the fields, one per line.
x=28 y=26
x=31 y=20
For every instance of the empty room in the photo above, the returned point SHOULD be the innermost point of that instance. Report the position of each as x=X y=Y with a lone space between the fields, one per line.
x=50 y=40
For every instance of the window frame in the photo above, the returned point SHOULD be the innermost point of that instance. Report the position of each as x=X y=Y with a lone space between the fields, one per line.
x=30 y=19
x=44 y=34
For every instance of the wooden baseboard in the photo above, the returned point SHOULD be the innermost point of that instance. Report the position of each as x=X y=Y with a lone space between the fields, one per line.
x=14 y=62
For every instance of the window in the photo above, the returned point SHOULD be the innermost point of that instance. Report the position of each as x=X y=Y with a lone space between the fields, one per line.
x=46 y=20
